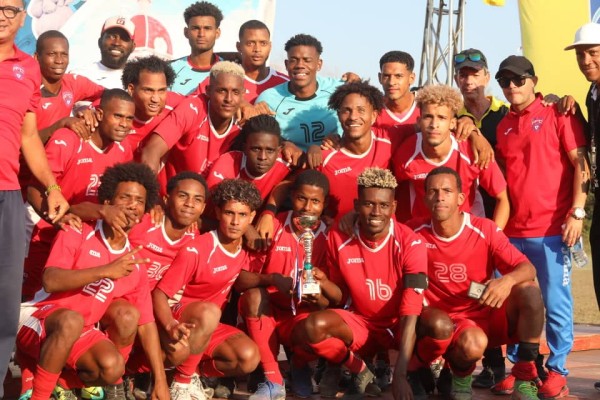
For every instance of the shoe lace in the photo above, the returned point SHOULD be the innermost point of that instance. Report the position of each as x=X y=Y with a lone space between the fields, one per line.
x=64 y=394
x=529 y=389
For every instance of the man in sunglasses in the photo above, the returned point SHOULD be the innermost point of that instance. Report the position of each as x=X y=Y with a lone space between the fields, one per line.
x=20 y=82
x=545 y=159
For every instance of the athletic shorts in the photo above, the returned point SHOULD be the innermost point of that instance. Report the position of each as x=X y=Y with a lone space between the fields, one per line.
x=32 y=334
x=369 y=338
x=495 y=326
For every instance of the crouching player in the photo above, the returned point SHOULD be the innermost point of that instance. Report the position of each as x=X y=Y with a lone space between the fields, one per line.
x=462 y=253
x=207 y=268
x=91 y=273
x=381 y=272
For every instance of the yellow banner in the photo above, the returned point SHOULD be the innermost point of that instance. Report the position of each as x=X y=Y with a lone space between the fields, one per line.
x=547 y=27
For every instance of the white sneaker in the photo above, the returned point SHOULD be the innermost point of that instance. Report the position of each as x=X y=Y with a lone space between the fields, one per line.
x=180 y=391
x=197 y=390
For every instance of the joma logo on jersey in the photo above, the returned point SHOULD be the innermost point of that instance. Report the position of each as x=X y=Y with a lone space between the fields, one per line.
x=84 y=161
x=283 y=248
x=420 y=176
x=342 y=171
x=219 y=269
x=203 y=138
x=358 y=260
x=95 y=253
x=430 y=246
x=154 y=247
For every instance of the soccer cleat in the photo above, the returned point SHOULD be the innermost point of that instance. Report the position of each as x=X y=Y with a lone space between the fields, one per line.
x=554 y=387
x=198 y=391
x=461 y=387
x=505 y=386
x=444 y=383
x=255 y=378
x=63 y=394
x=301 y=380
x=116 y=392
x=383 y=374
x=92 y=393
x=268 y=391
x=179 y=391
x=525 y=390
x=418 y=390
x=26 y=395
x=485 y=379
x=362 y=384
x=329 y=385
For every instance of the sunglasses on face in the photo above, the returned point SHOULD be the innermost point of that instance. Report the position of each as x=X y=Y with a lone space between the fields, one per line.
x=460 y=58
x=518 y=81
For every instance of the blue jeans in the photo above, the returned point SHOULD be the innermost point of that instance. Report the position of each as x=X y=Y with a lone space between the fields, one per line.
x=552 y=261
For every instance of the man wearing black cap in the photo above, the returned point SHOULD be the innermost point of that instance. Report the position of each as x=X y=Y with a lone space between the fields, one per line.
x=544 y=154
x=472 y=77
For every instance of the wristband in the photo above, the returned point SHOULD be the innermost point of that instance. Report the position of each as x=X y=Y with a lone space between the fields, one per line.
x=171 y=325
x=52 y=187
x=268 y=212
x=271 y=208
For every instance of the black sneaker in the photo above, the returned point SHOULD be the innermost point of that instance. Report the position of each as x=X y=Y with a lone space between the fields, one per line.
x=414 y=380
x=444 y=383
x=485 y=379
x=383 y=374
x=329 y=385
x=539 y=365
x=362 y=384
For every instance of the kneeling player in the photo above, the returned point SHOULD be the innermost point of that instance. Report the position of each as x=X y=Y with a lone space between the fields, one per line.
x=208 y=267
x=462 y=252
x=90 y=272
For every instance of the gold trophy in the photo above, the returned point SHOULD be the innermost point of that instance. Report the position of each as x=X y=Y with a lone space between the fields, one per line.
x=309 y=284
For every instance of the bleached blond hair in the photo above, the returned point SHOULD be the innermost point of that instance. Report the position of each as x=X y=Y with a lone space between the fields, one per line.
x=442 y=95
x=377 y=178
x=226 y=67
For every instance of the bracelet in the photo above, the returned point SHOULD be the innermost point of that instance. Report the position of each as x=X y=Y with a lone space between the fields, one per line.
x=54 y=186
x=171 y=325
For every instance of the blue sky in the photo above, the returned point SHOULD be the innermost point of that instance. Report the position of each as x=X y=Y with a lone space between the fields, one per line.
x=355 y=34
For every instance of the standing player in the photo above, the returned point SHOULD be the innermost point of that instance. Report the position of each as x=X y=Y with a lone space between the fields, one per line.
x=381 y=272
x=254 y=47
x=435 y=146
x=201 y=128
x=147 y=80
x=19 y=74
x=202 y=20
x=462 y=253
x=301 y=104
x=78 y=166
x=545 y=158
x=116 y=45
x=90 y=271
x=206 y=270
x=60 y=91
x=270 y=314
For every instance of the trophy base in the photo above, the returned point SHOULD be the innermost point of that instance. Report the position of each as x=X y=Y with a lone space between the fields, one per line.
x=311 y=288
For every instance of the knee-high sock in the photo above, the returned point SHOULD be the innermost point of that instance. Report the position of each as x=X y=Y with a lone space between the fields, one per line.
x=262 y=331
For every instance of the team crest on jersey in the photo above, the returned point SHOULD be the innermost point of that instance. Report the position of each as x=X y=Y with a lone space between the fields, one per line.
x=536 y=124
x=68 y=98
x=19 y=72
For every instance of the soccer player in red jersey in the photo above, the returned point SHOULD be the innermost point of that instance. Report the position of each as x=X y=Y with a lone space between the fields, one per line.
x=201 y=128
x=60 y=91
x=381 y=272
x=92 y=273
x=78 y=166
x=435 y=146
x=271 y=314
x=462 y=253
x=147 y=80
x=206 y=269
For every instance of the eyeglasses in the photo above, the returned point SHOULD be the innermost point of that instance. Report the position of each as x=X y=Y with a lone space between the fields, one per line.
x=518 y=81
x=10 y=12
x=461 y=57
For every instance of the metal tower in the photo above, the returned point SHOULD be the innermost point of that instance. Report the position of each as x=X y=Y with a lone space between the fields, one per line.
x=443 y=37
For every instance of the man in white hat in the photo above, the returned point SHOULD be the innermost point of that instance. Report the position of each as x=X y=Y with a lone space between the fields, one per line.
x=587 y=50
x=116 y=43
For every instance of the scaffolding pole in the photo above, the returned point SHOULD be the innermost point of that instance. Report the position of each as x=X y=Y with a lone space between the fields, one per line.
x=442 y=39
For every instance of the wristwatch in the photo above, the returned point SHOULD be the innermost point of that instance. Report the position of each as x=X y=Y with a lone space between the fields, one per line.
x=578 y=213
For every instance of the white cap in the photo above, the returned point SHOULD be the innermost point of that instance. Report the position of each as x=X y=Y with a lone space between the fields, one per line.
x=119 y=22
x=586 y=35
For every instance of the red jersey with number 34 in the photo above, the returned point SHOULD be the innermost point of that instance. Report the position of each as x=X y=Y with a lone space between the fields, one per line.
x=372 y=278
x=472 y=254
